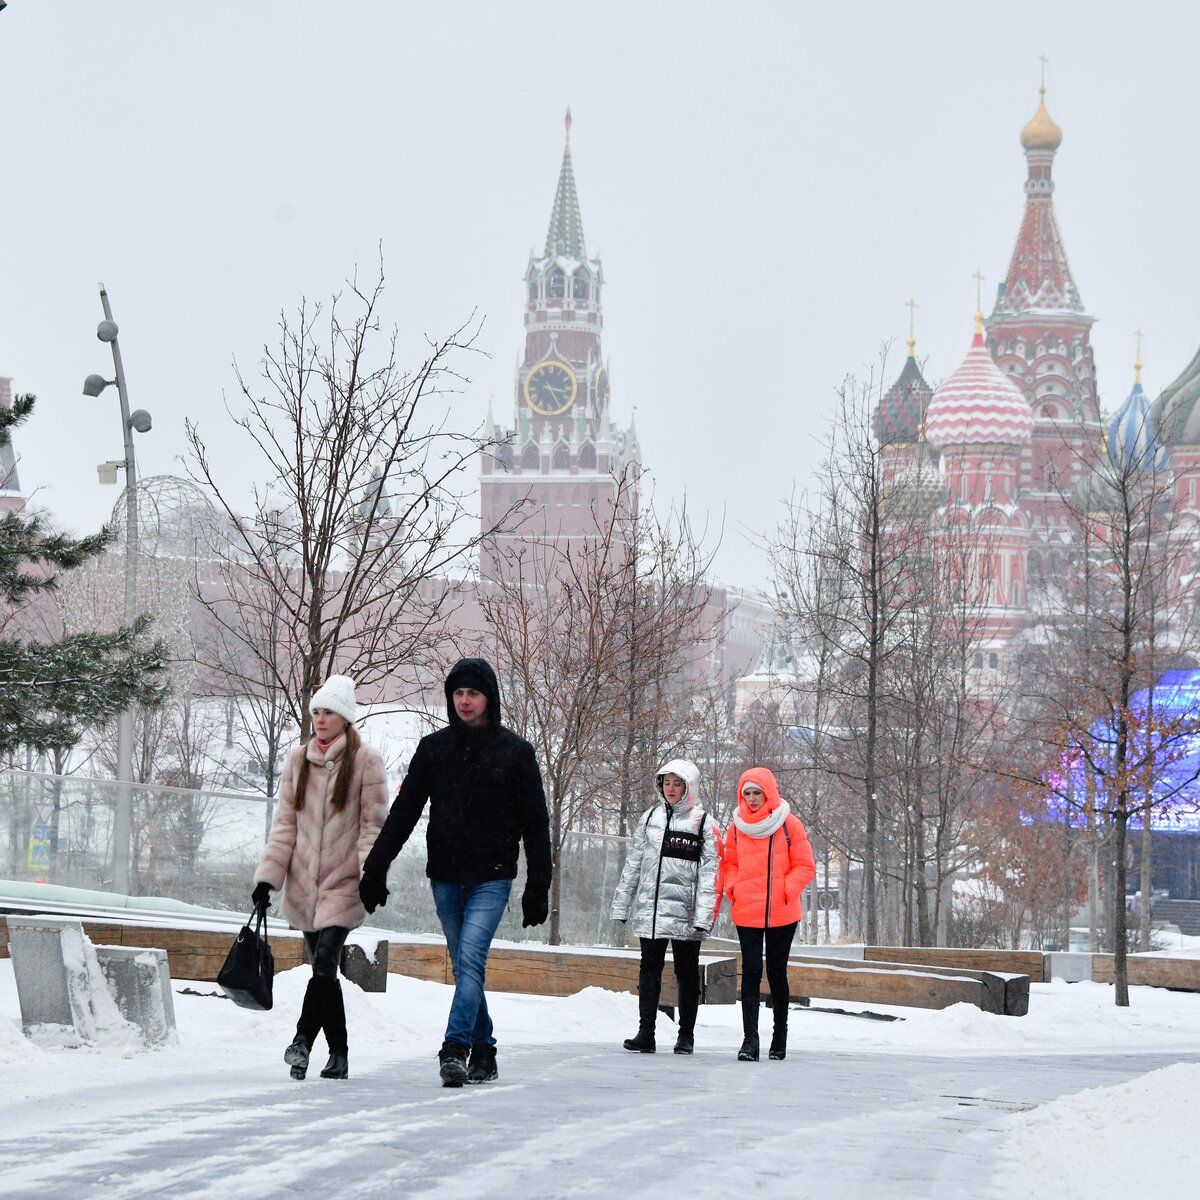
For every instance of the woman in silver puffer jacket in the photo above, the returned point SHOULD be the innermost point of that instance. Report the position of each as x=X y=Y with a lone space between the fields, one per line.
x=669 y=889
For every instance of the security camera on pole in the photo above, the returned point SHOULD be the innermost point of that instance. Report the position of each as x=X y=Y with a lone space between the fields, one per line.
x=106 y=331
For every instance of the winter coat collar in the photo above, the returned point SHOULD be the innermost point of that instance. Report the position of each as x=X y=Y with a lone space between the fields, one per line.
x=767 y=825
x=313 y=752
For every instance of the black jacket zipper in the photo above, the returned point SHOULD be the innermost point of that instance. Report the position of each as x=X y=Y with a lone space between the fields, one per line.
x=770 y=864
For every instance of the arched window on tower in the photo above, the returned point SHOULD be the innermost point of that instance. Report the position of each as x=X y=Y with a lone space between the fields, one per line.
x=530 y=458
x=558 y=285
x=580 y=285
x=587 y=457
x=533 y=291
x=562 y=457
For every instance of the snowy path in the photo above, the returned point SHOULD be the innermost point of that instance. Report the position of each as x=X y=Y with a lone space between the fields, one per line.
x=564 y=1120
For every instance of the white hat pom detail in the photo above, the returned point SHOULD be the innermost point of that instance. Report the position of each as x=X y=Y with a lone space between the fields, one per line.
x=337 y=695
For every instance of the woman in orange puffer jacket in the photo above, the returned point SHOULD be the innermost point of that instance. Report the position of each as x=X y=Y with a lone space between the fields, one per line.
x=768 y=864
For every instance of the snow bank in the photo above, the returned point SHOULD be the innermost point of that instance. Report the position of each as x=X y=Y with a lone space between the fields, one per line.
x=1085 y=1145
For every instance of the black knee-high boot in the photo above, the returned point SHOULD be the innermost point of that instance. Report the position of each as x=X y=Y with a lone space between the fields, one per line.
x=748 y=1051
x=649 y=989
x=312 y=1015
x=779 y=1034
x=335 y=1032
x=689 y=1003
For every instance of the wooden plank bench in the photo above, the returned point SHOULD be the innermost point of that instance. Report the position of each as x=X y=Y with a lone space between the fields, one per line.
x=1018 y=962
x=908 y=985
x=1181 y=974
x=549 y=971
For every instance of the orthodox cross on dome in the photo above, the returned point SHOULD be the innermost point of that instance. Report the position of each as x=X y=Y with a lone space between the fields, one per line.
x=978 y=277
x=565 y=236
x=1041 y=58
x=912 y=307
x=1138 y=364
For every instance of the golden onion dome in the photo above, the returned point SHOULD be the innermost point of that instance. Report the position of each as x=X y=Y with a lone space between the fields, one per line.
x=1041 y=133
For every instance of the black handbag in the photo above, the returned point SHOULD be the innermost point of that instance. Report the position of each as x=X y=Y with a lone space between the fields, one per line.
x=250 y=966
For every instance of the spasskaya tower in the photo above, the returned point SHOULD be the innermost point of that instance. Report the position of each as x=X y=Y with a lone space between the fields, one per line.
x=561 y=458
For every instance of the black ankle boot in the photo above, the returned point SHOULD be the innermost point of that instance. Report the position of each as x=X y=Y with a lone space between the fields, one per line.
x=779 y=1033
x=642 y=1042
x=482 y=1065
x=748 y=1051
x=684 y=1043
x=453 y=1068
x=749 y=1048
x=338 y=1067
x=296 y=1056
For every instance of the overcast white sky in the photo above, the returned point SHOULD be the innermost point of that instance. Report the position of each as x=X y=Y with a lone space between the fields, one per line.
x=767 y=183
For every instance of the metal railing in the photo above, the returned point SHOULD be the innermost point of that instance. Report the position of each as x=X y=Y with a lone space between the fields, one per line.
x=202 y=847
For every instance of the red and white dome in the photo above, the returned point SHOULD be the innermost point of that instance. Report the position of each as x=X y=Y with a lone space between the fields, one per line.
x=978 y=405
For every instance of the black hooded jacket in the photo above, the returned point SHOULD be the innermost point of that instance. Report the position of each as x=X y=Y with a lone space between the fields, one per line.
x=485 y=797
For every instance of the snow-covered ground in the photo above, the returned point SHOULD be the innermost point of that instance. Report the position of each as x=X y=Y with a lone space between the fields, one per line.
x=1078 y=1098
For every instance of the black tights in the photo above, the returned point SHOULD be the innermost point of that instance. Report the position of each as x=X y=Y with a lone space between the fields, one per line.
x=325 y=949
x=779 y=945
x=686 y=955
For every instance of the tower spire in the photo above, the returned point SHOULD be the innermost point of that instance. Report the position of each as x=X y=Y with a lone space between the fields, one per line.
x=565 y=235
x=912 y=307
x=1138 y=364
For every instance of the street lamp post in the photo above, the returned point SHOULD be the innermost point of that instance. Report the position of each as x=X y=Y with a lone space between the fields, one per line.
x=106 y=331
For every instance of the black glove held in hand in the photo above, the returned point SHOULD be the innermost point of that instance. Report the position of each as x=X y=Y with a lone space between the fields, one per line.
x=372 y=891
x=535 y=906
x=261 y=896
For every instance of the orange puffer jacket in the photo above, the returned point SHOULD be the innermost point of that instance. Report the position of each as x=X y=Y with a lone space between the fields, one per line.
x=768 y=861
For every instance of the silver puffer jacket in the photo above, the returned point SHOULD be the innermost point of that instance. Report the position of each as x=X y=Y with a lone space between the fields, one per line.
x=668 y=886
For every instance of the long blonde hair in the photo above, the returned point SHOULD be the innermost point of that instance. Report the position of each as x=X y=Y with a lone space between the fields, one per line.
x=341 y=786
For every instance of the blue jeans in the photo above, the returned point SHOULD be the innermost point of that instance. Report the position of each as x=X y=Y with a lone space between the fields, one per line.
x=470 y=915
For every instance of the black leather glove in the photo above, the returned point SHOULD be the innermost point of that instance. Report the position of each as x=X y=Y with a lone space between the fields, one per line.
x=535 y=906
x=261 y=896
x=372 y=890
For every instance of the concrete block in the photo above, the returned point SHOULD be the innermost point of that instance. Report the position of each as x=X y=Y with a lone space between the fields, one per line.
x=368 y=971
x=140 y=982
x=61 y=989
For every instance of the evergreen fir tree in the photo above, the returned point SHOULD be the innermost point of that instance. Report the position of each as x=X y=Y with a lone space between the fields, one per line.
x=51 y=691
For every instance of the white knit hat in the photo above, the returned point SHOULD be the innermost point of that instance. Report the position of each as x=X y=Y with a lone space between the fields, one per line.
x=337 y=695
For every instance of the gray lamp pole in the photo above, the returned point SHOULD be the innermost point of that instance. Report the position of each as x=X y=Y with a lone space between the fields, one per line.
x=139 y=420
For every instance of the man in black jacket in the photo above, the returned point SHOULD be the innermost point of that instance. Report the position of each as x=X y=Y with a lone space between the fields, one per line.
x=485 y=797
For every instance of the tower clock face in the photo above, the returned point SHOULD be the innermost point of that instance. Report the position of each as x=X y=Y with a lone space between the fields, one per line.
x=603 y=390
x=550 y=388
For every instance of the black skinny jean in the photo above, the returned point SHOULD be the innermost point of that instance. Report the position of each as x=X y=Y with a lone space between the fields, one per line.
x=779 y=944
x=686 y=956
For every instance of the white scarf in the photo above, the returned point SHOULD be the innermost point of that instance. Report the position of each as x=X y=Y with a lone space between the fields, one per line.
x=767 y=826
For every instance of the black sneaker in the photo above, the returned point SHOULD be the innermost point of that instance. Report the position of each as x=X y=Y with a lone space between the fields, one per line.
x=453 y=1068
x=296 y=1057
x=684 y=1044
x=482 y=1067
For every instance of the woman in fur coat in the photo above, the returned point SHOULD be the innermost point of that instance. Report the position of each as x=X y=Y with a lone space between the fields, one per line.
x=332 y=803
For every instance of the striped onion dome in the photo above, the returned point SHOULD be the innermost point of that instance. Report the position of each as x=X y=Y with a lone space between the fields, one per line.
x=1132 y=445
x=901 y=412
x=978 y=404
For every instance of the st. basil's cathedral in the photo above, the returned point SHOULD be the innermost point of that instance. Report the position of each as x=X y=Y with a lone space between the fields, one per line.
x=1013 y=435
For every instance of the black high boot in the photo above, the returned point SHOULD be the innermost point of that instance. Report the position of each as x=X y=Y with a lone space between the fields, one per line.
x=689 y=1002
x=338 y=1066
x=779 y=1033
x=649 y=989
x=312 y=1013
x=748 y=1052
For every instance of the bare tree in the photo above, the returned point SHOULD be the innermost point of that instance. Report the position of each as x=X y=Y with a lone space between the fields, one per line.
x=595 y=641
x=341 y=563
x=1120 y=621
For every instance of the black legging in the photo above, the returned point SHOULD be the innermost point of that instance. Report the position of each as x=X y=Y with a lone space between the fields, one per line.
x=686 y=956
x=325 y=950
x=779 y=945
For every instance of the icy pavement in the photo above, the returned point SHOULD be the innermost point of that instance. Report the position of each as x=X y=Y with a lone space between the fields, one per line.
x=934 y=1106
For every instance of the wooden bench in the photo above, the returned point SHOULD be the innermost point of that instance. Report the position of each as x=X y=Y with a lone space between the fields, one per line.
x=551 y=971
x=1018 y=962
x=908 y=985
x=1181 y=974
